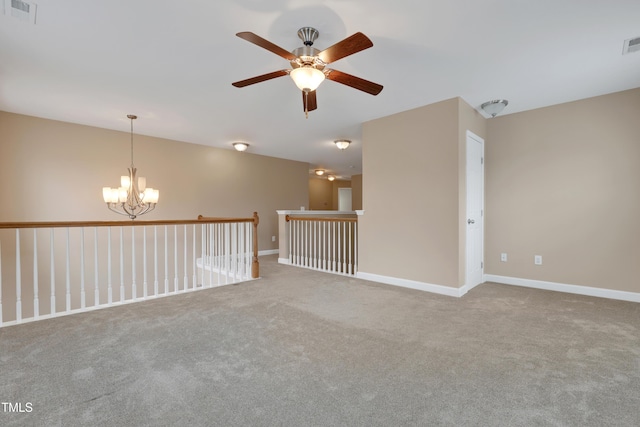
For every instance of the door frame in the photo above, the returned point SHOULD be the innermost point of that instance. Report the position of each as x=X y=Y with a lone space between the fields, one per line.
x=468 y=284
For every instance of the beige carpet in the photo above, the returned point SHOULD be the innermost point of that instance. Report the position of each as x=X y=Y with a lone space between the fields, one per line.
x=302 y=348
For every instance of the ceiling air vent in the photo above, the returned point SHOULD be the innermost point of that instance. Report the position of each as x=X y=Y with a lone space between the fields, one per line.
x=631 y=45
x=20 y=9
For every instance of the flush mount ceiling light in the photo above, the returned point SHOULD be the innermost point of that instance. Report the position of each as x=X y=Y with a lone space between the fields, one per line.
x=331 y=177
x=240 y=146
x=494 y=107
x=342 y=144
x=133 y=198
x=319 y=172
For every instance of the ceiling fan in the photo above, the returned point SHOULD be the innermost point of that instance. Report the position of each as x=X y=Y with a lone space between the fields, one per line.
x=309 y=64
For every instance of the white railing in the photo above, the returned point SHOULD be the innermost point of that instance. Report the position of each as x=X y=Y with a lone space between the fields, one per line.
x=325 y=243
x=58 y=268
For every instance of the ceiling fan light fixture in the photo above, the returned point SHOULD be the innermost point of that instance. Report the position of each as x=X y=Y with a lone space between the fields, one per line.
x=342 y=144
x=307 y=78
x=494 y=107
x=240 y=146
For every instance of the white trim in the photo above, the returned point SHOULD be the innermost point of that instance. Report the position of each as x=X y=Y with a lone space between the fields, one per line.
x=562 y=287
x=467 y=288
x=412 y=284
x=268 y=252
x=283 y=261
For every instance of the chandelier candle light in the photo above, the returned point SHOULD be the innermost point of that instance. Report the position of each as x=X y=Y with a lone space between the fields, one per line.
x=133 y=198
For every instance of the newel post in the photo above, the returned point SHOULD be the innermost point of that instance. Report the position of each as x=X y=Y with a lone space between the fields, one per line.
x=255 y=265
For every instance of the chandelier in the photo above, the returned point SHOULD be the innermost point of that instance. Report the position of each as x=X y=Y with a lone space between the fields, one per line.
x=133 y=198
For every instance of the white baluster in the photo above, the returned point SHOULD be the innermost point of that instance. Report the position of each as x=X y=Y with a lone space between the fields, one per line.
x=96 y=295
x=298 y=241
x=18 y=279
x=166 y=260
x=176 y=282
x=0 y=282
x=344 y=247
x=52 y=308
x=68 y=276
x=290 y=241
x=314 y=263
x=339 y=241
x=355 y=247
x=36 y=302
x=306 y=244
x=109 y=269
x=121 y=265
x=234 y=250
x=212 y=228
x=349 y=264
x=195 y=275
x=134 y=287
x=83 y=294
x=184 y=266
x=336 y=243
x=227 y=251
x=145 y=284
x=155 y=260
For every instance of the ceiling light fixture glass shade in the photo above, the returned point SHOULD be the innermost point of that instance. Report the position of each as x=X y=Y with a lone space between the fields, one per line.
x=319 y=172
x=331 y=177
x=307 y=78
x=342 y=144
x=133 y=198
x=494 y=107
x=240 y=146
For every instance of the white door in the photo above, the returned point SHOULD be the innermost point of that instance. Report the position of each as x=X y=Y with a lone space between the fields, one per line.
x=344 y=199
x=475 y=210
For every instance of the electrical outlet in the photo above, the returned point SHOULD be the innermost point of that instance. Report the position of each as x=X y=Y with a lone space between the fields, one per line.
x=273 y=238
x=537 y=260
x=503 y=257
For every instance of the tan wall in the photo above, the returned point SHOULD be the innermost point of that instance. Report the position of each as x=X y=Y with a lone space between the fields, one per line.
x=410 y=195
x=320 y=194
x=323 y=194
x=356 y=192
x=563 y=182
x=55 y=171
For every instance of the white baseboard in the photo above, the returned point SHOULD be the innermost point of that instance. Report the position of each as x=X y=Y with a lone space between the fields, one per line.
x=412 y=284
x=269 y=252
x=562 y=287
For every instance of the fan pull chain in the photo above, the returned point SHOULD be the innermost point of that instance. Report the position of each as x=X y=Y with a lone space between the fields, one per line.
x=306 y=105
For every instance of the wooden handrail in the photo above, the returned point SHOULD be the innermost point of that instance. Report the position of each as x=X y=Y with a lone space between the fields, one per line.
x=255 y=266
x=327 y=219
x=58 y=224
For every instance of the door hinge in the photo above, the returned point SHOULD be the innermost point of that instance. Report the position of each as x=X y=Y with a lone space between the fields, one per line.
x=482 y=160
x=481 y=264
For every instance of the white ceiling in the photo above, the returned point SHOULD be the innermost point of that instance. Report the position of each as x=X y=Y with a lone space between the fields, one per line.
x=172 y=64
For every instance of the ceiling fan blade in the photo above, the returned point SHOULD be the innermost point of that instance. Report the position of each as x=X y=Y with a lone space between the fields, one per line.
x=309 y=102
x=354 y=82
x=266 y=44
x=346 y=47
x=262 y=78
